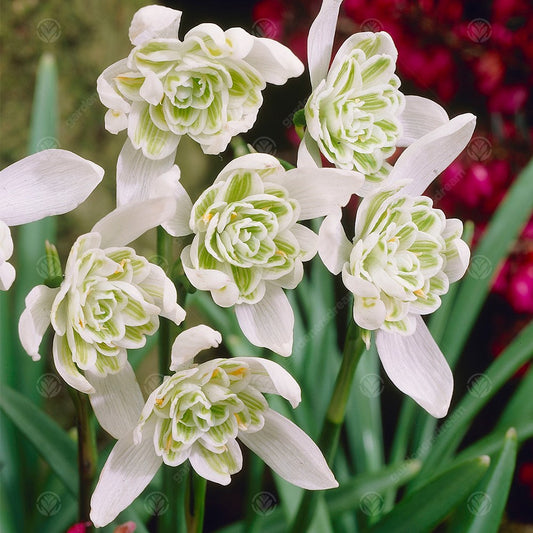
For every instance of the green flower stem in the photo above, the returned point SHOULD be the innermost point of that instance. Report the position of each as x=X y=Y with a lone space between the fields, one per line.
x=86 y=453
x=195 y=522
x=354 y=348
x=256 y=469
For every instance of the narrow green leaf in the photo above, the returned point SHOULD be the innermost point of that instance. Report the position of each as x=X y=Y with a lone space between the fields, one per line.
x=50 y=441
x=425 y=508
x=457 y=424
x=482 y=512
x=7 y=522
x=520 y=406
x=363 y=418
x=347 y=497
x=492 y=443
x=493 y=248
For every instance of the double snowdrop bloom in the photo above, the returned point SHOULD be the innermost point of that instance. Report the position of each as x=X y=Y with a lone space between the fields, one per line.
x=51 y=182
x=109 y=300
x=356 y=115
x=207 y=86
x=198 y=414
x=402 y=259
x=248 y=245
x=405 y=255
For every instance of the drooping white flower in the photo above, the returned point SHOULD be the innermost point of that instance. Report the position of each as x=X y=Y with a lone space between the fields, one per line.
x=207 y=86
x=198 y=414
x=356 y=115
x=109 y=300
x=403 y=256
x=248 y=245
x=51 y=182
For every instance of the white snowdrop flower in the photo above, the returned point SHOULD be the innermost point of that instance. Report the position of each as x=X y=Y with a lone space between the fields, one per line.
x=199 y=414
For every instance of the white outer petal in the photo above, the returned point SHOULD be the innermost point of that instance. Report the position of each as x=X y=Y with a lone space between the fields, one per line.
x=426 y=158
x=35 y=318
x=307 y=239
x=168 y=185
x=151 y=22
x=420 y=117
x=136 y=174
x=127 y=471
x=117 y=401
x=320 y=40
x=308 y=152
x=51 y=182
x=269 y=322
x=272 y=378
x=417 y=367
x=275 y=62
x=333 y=246
x=7 y=276
x=290 y=452
x=128 y=222
x=320 y=191
x=191 y=342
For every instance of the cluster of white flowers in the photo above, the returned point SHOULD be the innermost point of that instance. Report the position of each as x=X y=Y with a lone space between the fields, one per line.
x=248 y=243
